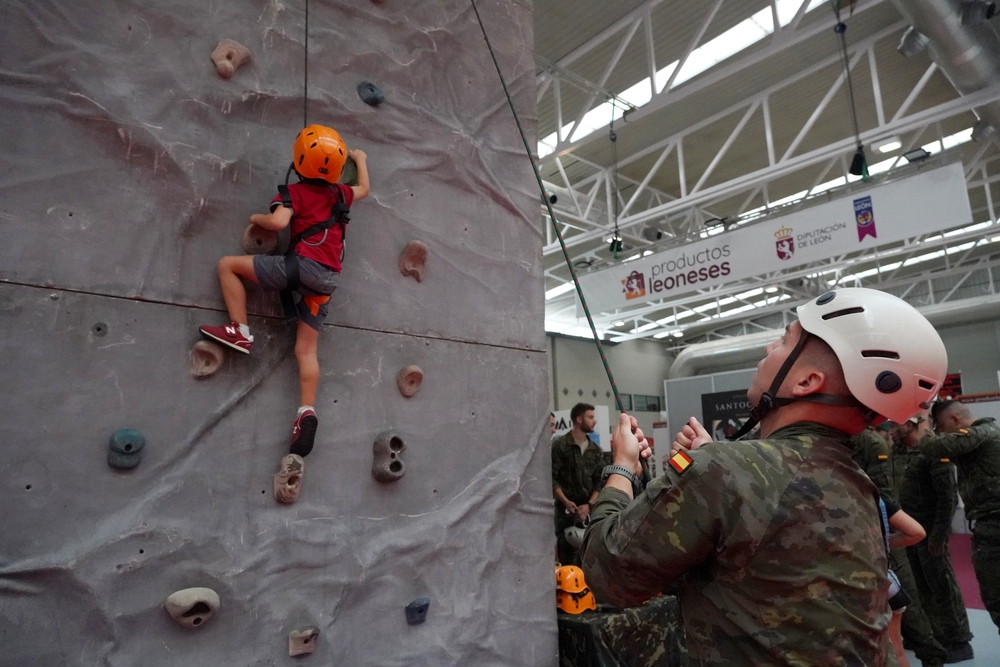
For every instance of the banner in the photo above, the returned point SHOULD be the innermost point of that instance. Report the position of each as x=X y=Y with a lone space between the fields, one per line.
x=723 y=413
x=926 y=202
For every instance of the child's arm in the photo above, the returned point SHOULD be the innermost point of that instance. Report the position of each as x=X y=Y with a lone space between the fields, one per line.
x=361 y=160
x=905 y=530
x=276 y=220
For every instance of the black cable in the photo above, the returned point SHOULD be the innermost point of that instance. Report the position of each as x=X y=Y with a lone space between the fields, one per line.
x=552 y=215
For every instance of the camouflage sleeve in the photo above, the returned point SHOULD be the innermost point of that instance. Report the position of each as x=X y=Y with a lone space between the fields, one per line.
x=955 y=444
x=946 y=500
x=877 y=465
x=632 y=551
x=558 y=468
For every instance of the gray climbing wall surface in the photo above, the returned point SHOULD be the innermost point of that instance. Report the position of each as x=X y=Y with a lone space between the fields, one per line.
x=128 y=166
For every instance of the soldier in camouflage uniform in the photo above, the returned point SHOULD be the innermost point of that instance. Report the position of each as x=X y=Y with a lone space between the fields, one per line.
x=871 y=453
x=928 y=494
x=576 y=476
x=974 y=446
x=779 y=541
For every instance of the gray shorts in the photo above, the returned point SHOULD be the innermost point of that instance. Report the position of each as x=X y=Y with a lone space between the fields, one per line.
x=316 y=282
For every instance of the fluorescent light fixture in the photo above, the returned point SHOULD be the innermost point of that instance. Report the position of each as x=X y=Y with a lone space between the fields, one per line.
x=620 y=323
x=770 y=290
x=559 y=291
x=678 y=334
x=888 y=146
x=662 y=334
x=916 y=155
x=647 y=253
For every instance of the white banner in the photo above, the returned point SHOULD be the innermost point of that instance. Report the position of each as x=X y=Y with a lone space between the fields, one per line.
x=926 y=202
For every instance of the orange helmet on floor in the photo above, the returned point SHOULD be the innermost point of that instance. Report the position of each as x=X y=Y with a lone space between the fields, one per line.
x=319 y=152
x=569 y=578
x=576 y=603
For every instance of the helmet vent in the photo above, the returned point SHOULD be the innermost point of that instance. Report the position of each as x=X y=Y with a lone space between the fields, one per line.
x=841 y=313
x=924 y=384
x=314 y=144
x=885 y=354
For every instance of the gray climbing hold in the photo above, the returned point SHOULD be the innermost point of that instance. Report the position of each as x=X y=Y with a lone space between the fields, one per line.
x=259 y=241
x=349 y=174
x=408 y=380
x=192 y=607
x=416 y=611
x=370 y=93
x=387 y=466
x=206 y=358
x=125 y=448
x=301 y=642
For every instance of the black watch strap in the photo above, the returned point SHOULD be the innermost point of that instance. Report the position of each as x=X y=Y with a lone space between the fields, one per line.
x=624 y=472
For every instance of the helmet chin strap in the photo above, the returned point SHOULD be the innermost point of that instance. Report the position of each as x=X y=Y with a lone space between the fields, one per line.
x=769 y=400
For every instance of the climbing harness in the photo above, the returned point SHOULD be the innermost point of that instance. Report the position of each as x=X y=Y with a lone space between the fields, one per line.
x=338 y=216
x=552 y=215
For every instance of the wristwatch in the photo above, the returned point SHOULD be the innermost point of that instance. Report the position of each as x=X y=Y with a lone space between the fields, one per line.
x=624 y=472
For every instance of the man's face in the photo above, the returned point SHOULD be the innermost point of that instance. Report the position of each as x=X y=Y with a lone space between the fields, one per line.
x=588 y=421
x=776 y=353
x=552 y=424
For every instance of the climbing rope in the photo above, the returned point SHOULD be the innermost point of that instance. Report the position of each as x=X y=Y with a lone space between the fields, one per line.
x=305 y=76
x=552 y=215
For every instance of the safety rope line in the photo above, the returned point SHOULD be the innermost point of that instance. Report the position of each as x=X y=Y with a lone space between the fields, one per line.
x=552 y=215
x=305 y=77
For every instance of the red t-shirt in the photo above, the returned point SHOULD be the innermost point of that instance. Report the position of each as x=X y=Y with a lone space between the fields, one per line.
x=312 y=204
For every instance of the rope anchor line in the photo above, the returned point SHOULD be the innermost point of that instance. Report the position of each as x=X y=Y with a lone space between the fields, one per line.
x=552 y=215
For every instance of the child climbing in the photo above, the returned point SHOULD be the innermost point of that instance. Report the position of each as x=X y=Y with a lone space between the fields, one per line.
x=316 y=207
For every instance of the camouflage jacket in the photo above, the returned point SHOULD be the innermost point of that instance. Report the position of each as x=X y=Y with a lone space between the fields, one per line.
x=871 y=452
x=576 y=472
x=780 y=539
x=927 y=491
x=976 y=452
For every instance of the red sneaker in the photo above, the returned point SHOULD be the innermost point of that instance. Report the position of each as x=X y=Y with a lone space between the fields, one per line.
x=303 y=433
x=229 y=335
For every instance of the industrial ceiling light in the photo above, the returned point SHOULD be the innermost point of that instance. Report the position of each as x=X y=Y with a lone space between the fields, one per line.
x=916 y=155
x=859 y=164
x=976 y=11
x=652 y=234
x=913 y=42
x=616 y=245
x=982 y=131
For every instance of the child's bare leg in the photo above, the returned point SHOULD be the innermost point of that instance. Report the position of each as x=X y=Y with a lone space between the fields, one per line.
x=232 y=272
x=306 y=342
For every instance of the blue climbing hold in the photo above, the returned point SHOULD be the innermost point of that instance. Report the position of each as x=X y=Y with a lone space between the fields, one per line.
x=125 y=448
x=370 y=93
x=416 y=611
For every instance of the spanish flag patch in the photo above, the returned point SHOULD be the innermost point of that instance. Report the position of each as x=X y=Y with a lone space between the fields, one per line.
x=681 y=462
x=945 y=460
x=883 y=457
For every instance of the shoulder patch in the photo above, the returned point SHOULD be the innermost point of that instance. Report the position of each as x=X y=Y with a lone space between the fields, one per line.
x=681 y=462
x=945 y=460
x=883 y=457
x=963 y=431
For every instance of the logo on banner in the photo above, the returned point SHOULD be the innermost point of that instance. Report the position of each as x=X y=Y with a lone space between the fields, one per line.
x=865 y=216
x=634 y=286
x=785 y=244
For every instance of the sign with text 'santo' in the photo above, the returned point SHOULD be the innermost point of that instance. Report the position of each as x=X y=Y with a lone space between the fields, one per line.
x=924 y=203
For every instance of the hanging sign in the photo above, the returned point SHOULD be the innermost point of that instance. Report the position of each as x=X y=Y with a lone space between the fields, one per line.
x=927 y=202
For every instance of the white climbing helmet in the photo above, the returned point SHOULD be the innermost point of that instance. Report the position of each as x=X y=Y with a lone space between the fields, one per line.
x=894 y=361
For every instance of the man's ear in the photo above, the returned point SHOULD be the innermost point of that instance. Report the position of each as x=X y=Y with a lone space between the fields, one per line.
x=809 y=381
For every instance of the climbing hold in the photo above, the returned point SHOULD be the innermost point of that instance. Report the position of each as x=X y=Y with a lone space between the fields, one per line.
x=259 y=241
x=191 y=607
x=416 y=611
x=408 y=380
x=125 y=448
x=349 y=176
x=206 y=358
x=387 y=466
x=288 y=480
x=301 y=642
x=370 y=93
x=228 y=56
x=100 y=329
x=412 y=259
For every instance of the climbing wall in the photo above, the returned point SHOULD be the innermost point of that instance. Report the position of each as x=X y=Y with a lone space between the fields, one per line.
x=128 y=166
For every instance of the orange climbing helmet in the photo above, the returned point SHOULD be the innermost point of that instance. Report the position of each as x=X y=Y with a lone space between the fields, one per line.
x=319 y=152
x=569 y=579
x=576 y=603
